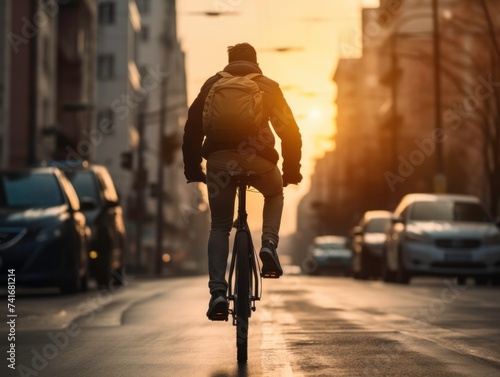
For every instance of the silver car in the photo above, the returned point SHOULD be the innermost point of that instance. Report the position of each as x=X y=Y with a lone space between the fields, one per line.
x=368 y=240
x=442 y=235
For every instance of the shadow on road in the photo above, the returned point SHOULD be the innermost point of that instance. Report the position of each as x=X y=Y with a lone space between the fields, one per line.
x=241 y=371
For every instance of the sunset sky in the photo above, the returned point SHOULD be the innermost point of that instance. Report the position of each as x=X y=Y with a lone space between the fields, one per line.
x=321 y=30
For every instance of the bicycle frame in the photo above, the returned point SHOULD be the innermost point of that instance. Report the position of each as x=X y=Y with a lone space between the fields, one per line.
x=243 y=281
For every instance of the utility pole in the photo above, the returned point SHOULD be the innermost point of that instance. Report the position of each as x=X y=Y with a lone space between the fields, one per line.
x=394 y=99
x=439 y=176
x=491 y=28
x=159 y=210
x=140 y=181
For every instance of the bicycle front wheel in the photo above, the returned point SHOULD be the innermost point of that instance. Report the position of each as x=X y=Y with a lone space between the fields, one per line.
x=242 y=303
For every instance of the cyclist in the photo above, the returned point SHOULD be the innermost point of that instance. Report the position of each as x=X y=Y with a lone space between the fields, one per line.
x=255 y=153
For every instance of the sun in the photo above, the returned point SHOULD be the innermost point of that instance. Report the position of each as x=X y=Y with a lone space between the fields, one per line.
x=315 y=114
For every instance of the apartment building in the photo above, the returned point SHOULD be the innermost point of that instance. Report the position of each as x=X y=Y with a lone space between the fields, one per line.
x=119 y=93
x=459 y=149
x=4 y=80
x=76 y=136
x=388 y=141
x=48 y=80
x=32 y=73
x=160 y=55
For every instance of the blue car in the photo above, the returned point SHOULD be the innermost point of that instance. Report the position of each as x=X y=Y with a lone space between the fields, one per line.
x=43 y=233
x=104 y=213
x=328 y=255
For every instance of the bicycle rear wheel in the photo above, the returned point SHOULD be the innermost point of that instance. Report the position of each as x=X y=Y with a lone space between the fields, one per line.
x=242 y=299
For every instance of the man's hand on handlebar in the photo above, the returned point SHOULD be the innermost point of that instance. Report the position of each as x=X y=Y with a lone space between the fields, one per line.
x=199 y=177
x=288 y=180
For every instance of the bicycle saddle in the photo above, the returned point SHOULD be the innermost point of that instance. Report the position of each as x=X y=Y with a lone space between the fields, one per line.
x=244 y=177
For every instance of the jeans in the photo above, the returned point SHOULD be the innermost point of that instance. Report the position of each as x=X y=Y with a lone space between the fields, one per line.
x=221 y=198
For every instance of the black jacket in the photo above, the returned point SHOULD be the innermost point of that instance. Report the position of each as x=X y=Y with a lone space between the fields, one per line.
x=194 y=147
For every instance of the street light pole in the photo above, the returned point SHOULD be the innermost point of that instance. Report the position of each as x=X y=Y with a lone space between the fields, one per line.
x=159 y=203
x=394 y=99
x=140 y=185
x=439 y=176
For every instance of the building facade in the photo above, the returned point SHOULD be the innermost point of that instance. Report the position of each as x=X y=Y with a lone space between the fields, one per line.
x=32 y=68
x=118 y=89
x=76 y=135
x=184 y=215
x=50 y=57
x=4 y=81
x=389 y=141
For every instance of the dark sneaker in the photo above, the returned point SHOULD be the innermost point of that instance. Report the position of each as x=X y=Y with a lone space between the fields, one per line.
x=271 y=267
x=218 y=307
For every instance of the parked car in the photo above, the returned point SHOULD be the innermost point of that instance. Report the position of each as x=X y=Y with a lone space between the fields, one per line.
x=43 y=233
x=443 y=235
x=94 y=185
x=328 y=254
x=368 y=240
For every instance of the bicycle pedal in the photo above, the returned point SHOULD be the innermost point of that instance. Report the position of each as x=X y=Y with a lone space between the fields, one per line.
x=219 y=317
x=270 y=275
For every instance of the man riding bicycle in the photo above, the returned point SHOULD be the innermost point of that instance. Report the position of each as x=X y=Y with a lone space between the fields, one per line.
x=236 y=149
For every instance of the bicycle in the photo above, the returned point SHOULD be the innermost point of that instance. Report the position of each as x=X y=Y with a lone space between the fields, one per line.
x=244 y=276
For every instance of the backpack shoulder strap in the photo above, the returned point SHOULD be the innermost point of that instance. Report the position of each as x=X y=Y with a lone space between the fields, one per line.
x=252 y=76
x=224 y=74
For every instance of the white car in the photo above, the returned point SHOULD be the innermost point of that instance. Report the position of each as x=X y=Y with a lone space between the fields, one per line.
x=442 y=235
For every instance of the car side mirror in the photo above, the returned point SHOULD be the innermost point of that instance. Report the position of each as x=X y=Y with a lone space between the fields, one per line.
x=87 y=204
x=396 y=220
x=357 y=231
x=112 y=204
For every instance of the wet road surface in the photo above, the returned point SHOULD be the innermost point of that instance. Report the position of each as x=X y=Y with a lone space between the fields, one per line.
x=304 y=326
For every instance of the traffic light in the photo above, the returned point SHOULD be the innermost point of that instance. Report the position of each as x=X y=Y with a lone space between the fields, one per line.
x=127 y=160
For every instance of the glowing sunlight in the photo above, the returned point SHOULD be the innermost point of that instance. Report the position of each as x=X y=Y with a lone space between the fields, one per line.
x=297 y=46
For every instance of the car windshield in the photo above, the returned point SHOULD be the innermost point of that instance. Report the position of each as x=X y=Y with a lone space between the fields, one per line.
x=376 y=225
x=331 y=246
x=449 y=211
x=84 y=184
x=30 y=190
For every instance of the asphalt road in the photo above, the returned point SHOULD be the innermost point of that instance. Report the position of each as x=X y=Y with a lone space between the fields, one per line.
x=304 y=326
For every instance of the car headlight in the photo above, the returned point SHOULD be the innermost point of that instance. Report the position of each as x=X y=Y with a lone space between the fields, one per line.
x=374 y=239
x=414 y=237
x=319 y=253
x=493 y=239
x=51 y=232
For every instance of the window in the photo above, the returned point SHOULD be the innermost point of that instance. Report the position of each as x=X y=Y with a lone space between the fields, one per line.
x=105 y=121
x=107 y=13
x=105 y=66
x=145 y=33
x=85 y=184
x=377 y=225
x=30 y=190
x=448 y=211
x=45 y=112
x=144 y=6
x=46 y=55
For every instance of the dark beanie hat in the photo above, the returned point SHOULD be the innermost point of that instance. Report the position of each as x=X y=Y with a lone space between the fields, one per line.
x=242 y=51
